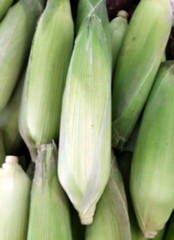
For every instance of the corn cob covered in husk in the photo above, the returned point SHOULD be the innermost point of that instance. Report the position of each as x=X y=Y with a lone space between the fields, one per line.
x=14 y=200
x=152 y=166
x=170 y=230
x=111 y=220
x=124 y=164
x=46 y=75
x=118 y=28
x=136 y=233
x=48 y=205
x=85 y=134
x=16 y=32
x=9 y=121
x=4 y=6
x=137 y=65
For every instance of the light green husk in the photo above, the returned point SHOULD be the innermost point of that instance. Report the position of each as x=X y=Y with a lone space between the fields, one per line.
x=118 y=28
x=46 y=75
x=14 y=200
x=137 y=65
x=9 y=121
x=124 y=164
x=4 y=6
x=48 y=206
x=111 y=219
x=16 y=32
x=85 y=134
x=152 y=167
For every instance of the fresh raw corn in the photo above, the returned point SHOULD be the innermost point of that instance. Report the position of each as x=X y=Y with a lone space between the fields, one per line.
x=85 y=133
x=152 y=177
x=124 y=164
x=48 y=206
x=170 y=230
x=136 y=233
x=46 y=75
x=2 y=149
x=137 y=65
x=9 y=121
x=111 y=219
x=118 y=28
x=16 y=32
x=14 y=200
x=4 y=5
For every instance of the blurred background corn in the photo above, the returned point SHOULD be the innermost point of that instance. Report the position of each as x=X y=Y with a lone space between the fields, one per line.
x=16 y=32
x=152 y=177
x=48 y=206
x=111 y=220
x=14 y=200
x=46 y=75
x=137 y=65
x=85 y=133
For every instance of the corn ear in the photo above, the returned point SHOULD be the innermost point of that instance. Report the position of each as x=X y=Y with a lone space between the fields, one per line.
x=4 y=5
x=48 y=205
x=16 y=32
x=118 y=28
x=152 y=166
x=137 y=65
x=45 y=80
x=85 y=144
x=124 y=164
x=136 y=233
x=9 y=121
x=170 y=230
x=14 y=200
x=111 y=211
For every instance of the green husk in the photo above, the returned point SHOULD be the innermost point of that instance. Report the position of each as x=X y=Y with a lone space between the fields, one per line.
x=16 y=32
x=152 y=167
x=46 y=74
x=4 y=6
x=138 y=63
x=85 y=134
x=14 y=200
x=111 y=220
x=48 y=206
x=124 y=164
x=9 y=121
x=118 y=28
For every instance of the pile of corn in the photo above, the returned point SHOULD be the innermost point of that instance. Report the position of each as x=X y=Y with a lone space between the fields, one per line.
x=93 y=101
